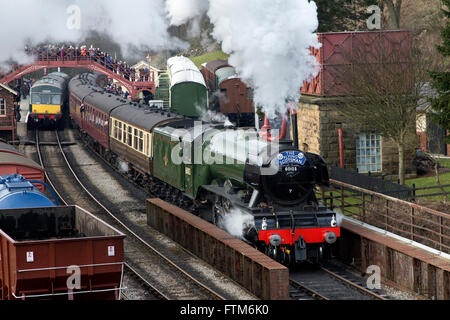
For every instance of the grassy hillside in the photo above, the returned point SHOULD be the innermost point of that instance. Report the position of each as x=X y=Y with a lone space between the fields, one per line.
x=199 y=60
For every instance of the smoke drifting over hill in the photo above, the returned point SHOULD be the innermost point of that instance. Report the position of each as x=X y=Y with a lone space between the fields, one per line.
x=141 y=24
x=268 y=42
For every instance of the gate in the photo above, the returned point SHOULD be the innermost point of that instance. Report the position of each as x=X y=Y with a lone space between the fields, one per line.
x=371 y=183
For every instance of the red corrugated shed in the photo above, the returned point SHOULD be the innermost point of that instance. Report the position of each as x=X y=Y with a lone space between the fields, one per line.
x=340 y=48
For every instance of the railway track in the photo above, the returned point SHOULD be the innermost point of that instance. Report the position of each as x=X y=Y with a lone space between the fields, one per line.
x=329 y=283
x=135 y=275
x=141 y=256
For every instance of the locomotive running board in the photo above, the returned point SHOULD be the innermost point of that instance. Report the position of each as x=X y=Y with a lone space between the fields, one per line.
x=221 y=191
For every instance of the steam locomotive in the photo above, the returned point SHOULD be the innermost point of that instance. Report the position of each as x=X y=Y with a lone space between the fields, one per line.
x=213 y=170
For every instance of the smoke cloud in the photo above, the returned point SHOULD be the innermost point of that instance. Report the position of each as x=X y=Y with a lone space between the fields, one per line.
x=268 y=41
x=236 y=221
x=140 y=24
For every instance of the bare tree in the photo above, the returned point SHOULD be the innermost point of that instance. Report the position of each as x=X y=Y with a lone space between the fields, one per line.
x=394 y=9
x=384 y=82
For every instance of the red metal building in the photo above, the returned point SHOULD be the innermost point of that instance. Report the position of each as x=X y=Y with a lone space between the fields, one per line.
x=7 y=112
x=338 y=48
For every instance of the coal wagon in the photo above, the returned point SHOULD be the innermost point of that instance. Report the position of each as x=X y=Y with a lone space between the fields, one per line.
x=59 y=253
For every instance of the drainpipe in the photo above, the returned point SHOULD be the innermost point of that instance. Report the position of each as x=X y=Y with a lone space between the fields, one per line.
x=341 y=146
x=294 y=127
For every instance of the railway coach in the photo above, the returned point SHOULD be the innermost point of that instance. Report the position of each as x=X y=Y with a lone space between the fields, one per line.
x=228 y=93
x=114 y=126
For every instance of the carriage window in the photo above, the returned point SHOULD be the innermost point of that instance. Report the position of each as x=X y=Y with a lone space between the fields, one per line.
x=130 y=136
x=136 y=137
x=223 y=92
x=116 y=129
x=2 y=107
x=141 y=141
x=124 y=133
x=120 y=131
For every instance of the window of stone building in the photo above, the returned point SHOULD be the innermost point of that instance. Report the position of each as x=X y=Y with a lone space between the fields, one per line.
x=368 y=153
x=2 y=107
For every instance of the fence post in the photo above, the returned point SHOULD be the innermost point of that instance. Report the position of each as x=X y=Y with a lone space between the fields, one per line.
x=414 y=191
x=363 y=207
x=331 y=201
x=387 y=213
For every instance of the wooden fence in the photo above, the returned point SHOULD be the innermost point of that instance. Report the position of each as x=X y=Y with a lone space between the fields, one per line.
x=407 y=219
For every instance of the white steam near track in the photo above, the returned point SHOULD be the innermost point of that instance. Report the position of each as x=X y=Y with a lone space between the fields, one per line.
x=268 y=41
x=138 y=23
x=236 y=221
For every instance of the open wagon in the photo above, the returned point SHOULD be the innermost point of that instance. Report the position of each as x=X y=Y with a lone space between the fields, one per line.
x=59 y=253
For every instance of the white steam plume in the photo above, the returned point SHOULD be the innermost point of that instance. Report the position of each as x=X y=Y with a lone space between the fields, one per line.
x=182 y=11
x=268 y=41
x=236 y=222
x=139 y=23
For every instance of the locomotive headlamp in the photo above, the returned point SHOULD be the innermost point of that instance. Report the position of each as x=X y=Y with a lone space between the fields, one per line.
x=275 y=240
x=334 y=222
x=330 y=237
x=264 y=224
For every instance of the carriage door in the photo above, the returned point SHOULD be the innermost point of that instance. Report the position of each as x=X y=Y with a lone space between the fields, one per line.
x=188 y=167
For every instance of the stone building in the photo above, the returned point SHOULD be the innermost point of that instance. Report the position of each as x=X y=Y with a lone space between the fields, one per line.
x=319 y=119
x=319 y=116
x=7 y=112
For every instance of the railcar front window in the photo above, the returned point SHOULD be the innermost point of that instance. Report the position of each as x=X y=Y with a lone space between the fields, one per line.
x=56 y=99
x=35 y=99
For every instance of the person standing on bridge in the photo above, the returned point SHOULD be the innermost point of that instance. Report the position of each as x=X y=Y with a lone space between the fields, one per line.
x=62 y=53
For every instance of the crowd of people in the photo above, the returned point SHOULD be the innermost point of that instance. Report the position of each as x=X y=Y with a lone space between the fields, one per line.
x=70 y=53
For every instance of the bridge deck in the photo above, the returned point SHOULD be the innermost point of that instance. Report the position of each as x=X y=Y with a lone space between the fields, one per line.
x=97 y=63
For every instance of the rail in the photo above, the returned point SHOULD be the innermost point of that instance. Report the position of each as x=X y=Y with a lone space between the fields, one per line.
x=409 y=220
x=168 y=261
